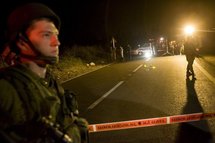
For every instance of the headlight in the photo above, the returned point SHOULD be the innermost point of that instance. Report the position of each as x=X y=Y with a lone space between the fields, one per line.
x=147 y=54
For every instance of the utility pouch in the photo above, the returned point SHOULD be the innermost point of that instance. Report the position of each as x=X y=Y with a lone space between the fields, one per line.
x=71 y=102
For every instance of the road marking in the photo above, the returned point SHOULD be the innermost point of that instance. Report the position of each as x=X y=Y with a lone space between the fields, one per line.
x=209 y=76
x=110 y=91
x=137 y=68
x=85 y=73
x=105 y=95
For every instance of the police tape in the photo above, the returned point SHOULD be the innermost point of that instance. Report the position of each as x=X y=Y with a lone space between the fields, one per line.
x=149 y=122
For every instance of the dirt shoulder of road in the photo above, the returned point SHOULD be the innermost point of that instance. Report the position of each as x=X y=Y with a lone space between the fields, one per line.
x=69 y=72
x=70 y=67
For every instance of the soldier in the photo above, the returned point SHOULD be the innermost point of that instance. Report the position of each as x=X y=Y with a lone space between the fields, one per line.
x=34 y=107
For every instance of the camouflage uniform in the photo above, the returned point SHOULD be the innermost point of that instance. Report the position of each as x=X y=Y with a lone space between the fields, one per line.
x=34 y=109
x=26 y=99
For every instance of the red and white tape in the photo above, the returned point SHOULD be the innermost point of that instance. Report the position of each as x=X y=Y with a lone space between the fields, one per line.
x=149 y=122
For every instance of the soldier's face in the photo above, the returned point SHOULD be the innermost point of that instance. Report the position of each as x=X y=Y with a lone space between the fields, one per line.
x=44 y=36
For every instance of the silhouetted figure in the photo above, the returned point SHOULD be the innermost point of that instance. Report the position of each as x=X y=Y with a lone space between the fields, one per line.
x=190 y=53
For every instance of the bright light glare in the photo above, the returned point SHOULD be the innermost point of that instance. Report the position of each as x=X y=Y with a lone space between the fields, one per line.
x=189 y=30
x=148 y=54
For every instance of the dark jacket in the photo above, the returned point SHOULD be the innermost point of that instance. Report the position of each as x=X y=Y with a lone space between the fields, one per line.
x=189 y=48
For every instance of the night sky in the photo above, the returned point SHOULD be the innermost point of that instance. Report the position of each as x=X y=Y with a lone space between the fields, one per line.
x=89 y=22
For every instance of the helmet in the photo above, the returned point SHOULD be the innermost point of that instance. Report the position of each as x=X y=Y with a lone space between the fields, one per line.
x=18 y=22
x=20 y=18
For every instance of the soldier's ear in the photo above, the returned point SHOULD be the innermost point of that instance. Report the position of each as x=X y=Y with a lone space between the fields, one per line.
x=22 y=44
x=23 y=37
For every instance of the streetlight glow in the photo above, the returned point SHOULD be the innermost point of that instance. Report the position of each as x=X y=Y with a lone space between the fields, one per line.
x=189 y=30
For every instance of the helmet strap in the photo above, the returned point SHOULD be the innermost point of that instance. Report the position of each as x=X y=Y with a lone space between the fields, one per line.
x=39 y=58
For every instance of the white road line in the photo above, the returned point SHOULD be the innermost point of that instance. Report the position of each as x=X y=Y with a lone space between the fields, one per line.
x=209 y=76
x=104 y=96
x=137 y=68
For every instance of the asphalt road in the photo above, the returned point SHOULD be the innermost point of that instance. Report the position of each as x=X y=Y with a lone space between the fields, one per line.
x=142 y=89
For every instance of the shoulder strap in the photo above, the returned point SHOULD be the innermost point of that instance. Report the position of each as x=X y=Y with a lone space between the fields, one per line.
x=61 y=95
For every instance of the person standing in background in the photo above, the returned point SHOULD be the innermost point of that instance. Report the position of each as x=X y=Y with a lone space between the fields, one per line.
x=190 y=53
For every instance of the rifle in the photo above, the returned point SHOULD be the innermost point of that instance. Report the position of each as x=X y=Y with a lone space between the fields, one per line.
x=54 y=131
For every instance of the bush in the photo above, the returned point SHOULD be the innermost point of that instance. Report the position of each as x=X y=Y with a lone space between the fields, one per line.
x=85 y=53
